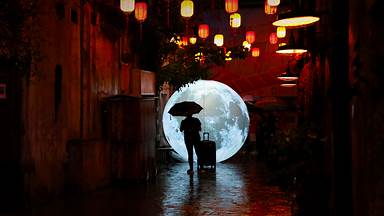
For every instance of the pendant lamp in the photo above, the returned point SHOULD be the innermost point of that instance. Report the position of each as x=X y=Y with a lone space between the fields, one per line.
x=292 y=47
x=300 y=15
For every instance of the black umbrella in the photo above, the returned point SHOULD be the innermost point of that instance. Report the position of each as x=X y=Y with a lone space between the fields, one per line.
x=185 y=108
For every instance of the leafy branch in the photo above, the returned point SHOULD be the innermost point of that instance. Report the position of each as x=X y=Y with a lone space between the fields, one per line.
x=182 y=65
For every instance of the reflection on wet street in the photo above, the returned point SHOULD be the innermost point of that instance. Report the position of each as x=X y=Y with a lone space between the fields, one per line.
x=234 y=189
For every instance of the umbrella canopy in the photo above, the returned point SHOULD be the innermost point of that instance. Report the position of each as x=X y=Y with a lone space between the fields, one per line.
x=185 y=108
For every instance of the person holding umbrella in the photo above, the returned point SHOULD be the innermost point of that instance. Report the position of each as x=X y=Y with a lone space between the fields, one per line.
x=191 y=127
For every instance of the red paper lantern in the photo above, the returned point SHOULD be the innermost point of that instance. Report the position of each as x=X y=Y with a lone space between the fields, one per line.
x=231 y=6
x=268 y=9
x=203 y=31
x=250 y=36
x=184 y=41
x=273 y=38
x=141 y=11
x=255 y=52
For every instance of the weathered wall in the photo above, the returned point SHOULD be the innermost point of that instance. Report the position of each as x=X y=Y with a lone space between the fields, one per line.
x=49 y=154
x=367 y=105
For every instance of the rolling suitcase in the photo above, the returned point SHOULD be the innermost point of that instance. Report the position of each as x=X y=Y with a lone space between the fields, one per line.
x=206 y=153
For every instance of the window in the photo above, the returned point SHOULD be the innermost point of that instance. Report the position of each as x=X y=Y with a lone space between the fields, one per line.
x=74 y=15
x=60 y=10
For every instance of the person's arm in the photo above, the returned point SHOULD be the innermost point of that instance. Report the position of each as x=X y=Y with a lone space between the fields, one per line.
x=199 y=124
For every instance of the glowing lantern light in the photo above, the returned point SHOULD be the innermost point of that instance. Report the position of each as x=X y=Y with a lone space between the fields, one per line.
x=235 y=20
x=273 y=38
x=288 y=84
x=291 y=47
x=200 y=57
x=268 y=9
x=255 y=52
x=246 y=45
x=228 y=56
x=192 y=40
x=288 y=78
x=218 y=40
x=231 y=6
x=295 y=22
x=281 y=32
x=250 y=36
x=273 y=2
x=127 y=6
x=141 y=11
x=184 y=41
x=203 y=31
x=186 y=9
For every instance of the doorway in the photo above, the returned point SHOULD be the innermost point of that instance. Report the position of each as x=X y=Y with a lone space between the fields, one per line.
x=10 y=147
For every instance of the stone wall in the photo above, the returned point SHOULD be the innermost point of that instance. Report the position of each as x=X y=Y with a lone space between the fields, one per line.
x=62 y=141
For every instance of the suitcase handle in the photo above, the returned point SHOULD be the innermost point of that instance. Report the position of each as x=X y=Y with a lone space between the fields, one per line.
x=205 y=136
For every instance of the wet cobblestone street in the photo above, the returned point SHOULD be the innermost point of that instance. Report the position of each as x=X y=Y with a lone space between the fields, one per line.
x=234 y=189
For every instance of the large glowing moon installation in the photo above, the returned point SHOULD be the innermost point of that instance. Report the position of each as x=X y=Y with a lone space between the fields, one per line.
x=224 y=116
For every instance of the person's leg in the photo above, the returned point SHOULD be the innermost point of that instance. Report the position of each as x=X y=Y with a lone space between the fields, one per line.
x=190 y=155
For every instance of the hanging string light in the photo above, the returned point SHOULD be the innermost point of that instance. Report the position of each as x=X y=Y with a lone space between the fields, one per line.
x=186 y=9
x=281 y=32
x=203 y=31
x=255 y=52
x=273 y=2
x=235 y=20
x=273 y=38
x=231 y=6
x=218 y=40
x=127 y=6
x=250 y=36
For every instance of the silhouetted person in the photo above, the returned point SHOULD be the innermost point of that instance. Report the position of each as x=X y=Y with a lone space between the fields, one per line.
x=191 y=127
